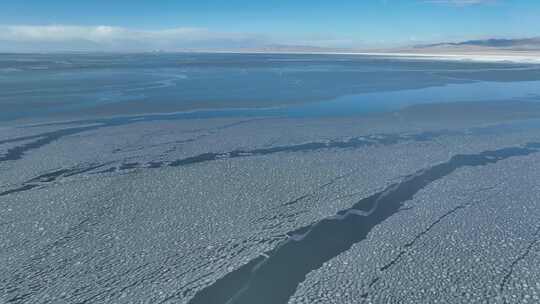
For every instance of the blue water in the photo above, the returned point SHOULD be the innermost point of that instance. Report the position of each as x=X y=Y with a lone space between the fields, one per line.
x=75 y=86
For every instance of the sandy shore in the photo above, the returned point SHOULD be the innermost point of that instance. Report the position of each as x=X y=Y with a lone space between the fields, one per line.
x=489 y=55
x=494 y=56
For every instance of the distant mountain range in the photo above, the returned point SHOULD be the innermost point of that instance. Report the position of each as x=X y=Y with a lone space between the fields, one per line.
x=474 y=46
x=523 y=43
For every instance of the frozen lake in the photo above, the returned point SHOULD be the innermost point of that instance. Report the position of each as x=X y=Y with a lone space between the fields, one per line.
x=229 y=178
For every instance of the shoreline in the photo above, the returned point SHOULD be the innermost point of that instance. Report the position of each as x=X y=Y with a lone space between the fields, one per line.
x=495 y=56
x=487 y=57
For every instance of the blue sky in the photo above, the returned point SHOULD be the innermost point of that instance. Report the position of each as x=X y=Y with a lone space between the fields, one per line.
x=177 y=24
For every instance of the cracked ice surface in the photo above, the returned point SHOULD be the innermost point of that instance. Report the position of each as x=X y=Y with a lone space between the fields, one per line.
x=164 y=234
x=464 y=257
x=162 y=228
x=103 y=144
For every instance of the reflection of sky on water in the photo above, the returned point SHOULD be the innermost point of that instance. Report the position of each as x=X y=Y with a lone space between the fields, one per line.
x=242 y=84
x=382 y=101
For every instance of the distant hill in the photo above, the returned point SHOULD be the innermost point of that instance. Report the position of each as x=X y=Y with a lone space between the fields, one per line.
x=524 y=43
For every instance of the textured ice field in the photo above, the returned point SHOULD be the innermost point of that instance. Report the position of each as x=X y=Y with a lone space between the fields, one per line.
x=468 y=238
x=216 y=210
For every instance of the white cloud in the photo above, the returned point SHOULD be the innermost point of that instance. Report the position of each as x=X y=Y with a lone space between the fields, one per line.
x=461 y=2
x=31 y=38
x=61 y=37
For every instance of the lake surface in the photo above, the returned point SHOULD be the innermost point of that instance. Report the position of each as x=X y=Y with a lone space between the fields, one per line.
x=71 y=86
x=401 y=176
